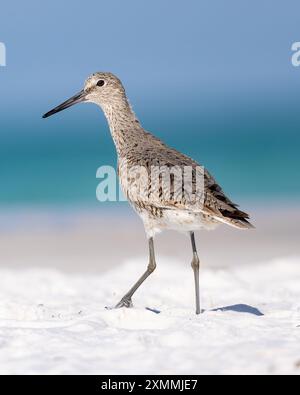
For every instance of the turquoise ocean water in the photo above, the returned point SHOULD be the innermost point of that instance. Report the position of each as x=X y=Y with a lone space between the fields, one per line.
x=253 y=153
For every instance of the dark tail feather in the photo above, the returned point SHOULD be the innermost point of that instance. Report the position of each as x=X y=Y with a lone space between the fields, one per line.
x=237 y=218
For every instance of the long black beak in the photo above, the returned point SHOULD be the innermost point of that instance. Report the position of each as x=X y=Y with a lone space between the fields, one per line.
x=79 y=98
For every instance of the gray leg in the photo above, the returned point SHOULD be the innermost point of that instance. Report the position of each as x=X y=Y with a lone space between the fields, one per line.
x=196 y=267
x=126 y=301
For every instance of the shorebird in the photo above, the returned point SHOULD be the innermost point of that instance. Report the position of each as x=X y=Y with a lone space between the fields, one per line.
x=138 y=148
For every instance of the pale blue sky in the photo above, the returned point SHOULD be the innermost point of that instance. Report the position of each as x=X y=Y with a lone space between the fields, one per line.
x=161 y=49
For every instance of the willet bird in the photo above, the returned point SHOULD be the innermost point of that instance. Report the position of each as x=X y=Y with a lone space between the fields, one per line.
x=139 y=149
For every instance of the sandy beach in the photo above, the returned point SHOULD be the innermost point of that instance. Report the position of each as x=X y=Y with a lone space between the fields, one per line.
x=56 y=323
x=60 y=269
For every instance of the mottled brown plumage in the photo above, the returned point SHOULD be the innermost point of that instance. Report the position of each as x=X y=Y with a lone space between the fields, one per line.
x=145 y=163
x=135 y=146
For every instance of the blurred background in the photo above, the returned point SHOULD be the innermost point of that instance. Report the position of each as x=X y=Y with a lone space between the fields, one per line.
x=213 y=79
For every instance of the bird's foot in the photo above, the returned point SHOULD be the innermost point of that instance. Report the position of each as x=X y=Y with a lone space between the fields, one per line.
x=124 y=302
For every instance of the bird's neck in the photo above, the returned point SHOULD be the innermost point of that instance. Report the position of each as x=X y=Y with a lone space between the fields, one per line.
x=123 y=123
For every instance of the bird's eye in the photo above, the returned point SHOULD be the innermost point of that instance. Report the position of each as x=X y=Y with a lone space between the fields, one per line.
x=100 y=83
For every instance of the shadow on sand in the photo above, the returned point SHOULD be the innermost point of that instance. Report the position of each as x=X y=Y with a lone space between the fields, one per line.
x=241 y=308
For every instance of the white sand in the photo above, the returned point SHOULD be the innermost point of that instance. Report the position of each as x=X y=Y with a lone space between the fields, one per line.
x=59 y=269
x=55 y=323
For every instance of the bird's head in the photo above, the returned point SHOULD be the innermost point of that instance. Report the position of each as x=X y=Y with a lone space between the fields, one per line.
x=101 y=88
